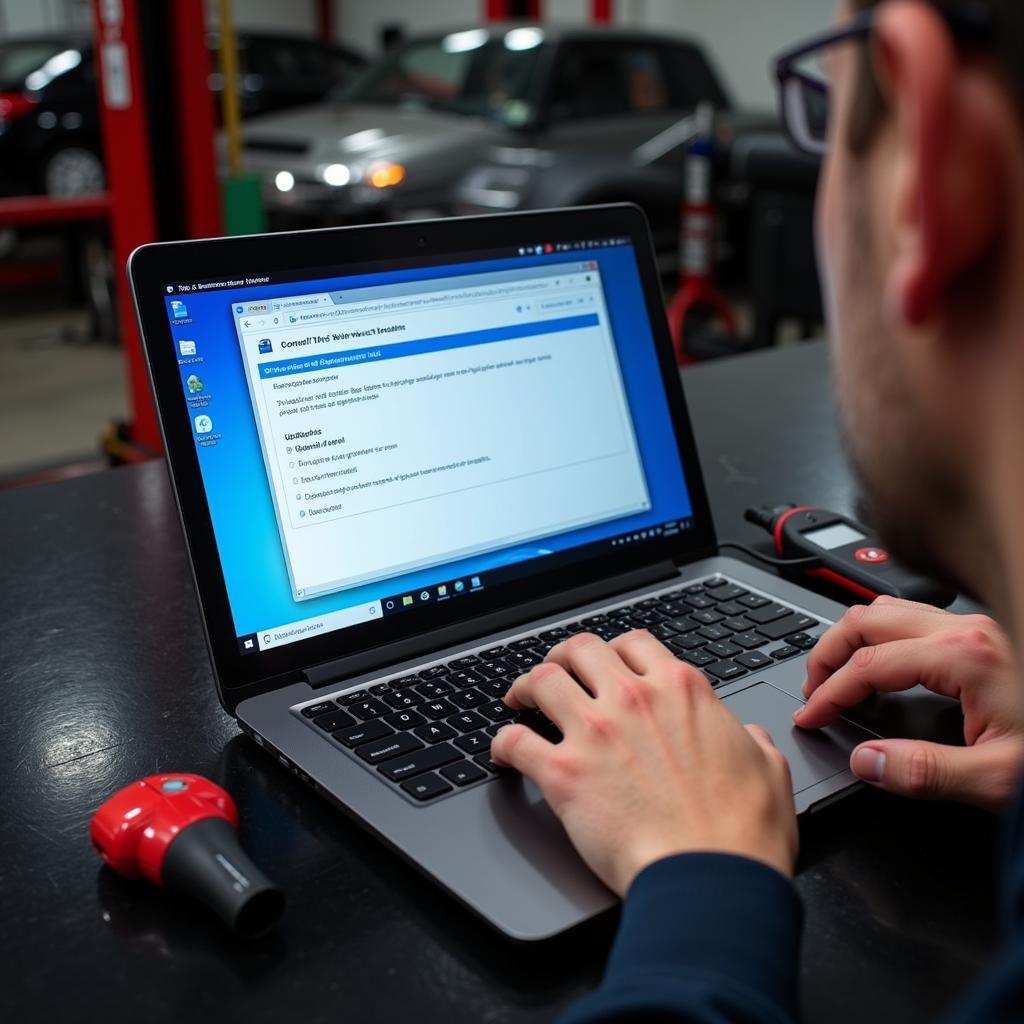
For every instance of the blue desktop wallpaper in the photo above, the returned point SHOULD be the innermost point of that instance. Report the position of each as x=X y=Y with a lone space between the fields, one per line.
x=235 y=479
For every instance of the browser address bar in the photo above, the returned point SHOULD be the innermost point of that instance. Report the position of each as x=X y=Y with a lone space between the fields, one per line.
x=433 y=300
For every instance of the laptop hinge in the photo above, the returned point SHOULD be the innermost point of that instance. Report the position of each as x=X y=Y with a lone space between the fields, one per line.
x=462 y=632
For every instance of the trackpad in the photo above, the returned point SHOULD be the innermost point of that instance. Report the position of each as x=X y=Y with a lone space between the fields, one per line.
x=813 y=756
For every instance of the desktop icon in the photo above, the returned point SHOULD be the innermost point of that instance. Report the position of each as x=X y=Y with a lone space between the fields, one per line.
x=389 y=605
x=194 y=384
x=442 y=590
x=238 y=310
x=265 y=346
x=407 y=600
x=203 y=424
x=475 y=582
x=424 y=595
x=538 y=249
x=248 y=644
x=170 y=288
x=293 y=319
x=187 y=348
x=179 y=311
x=459 y=586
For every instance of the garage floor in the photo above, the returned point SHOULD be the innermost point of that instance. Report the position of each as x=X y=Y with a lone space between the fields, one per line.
x=58 y=391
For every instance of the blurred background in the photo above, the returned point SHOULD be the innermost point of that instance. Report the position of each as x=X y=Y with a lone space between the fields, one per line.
x=126 y=121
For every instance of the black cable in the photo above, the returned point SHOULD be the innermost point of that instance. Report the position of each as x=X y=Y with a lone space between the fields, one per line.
x=778 y=563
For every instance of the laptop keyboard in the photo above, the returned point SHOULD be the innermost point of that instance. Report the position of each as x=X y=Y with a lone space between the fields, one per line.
x=429 y=732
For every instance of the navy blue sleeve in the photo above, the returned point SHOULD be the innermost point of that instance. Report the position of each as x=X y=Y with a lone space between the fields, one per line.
x=705 y=938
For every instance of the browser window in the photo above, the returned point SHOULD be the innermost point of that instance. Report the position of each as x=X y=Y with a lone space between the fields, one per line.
x=407 y=426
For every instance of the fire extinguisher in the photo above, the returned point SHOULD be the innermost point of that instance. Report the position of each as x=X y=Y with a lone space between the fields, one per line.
x=697 y=300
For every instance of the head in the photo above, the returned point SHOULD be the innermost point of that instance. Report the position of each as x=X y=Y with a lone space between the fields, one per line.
x=921 y=242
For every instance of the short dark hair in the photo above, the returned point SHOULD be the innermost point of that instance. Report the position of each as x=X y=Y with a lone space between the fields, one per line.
x=1007 y=51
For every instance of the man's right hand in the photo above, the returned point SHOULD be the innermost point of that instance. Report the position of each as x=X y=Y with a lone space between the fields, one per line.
x=895 y=645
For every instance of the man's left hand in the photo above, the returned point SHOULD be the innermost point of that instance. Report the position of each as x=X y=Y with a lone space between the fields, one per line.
x=651 y=762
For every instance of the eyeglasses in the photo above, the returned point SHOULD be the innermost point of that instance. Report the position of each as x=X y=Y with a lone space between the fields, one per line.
x=804 y=91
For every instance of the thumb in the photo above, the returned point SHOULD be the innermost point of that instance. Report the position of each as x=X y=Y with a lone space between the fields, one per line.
x=983 y=775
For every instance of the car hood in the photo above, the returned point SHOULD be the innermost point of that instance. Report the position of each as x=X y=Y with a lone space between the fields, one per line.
x=360 y=132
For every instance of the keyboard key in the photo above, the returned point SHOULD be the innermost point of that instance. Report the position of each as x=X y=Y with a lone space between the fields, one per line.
x=484 y=760
x=389 y=747
x=575 y=627
x=435 y=688
x=662 y=631
x=683 y=624
x=357 y=734
x=698 y=588
x=723 y=649
x=347 y=699
x=523 y=644
x=497 y=670
x=474 y=742
x=462 y=773
x=803 y=641
x=725 y=670
x=787 y=626
x=620 y=613
x=706 y=617
x=426 y=787
x=403 y=698
x=714 y=632
x=419 y=762
x=494 y=653
x=434 y=732
x=737 y=623
x=333 y=720
x=784 y=652
x=499 y=711
x=700 y=601
x=435 y=709
x=434 y=672
x=378 y=688
x=318 y=709
x=748 y=641
x=753 y=601
x=674 y=609
x=469 y=698
x=731 y=608
x=768 y=613
x=555 y=635
x=468 y=721
x=687 y=642
x=753 y=659
x=714 y=583
x=729 y=592
x=647 y=618
x=594 y=620
x=404 y=719
x=467 y=677
x=403 y=681
x=366 y=709
x=467 y=662
x=495 y=687
x=495 y=728
x=699 y=658
x=524 y=660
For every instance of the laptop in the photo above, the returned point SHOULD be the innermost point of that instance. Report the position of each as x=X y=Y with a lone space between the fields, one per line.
x=411 y=458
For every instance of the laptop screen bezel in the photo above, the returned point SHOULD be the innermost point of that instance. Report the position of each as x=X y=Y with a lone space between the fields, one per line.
x=153 y=266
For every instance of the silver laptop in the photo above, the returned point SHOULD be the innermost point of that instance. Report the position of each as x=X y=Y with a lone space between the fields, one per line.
x=411 y=458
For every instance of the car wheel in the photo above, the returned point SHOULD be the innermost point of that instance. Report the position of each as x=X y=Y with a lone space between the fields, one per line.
x=73 y=171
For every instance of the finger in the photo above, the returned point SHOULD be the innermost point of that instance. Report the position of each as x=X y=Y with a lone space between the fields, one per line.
x=551 y=689
x=762 y=736
x=521 y=748
x=885 y=668
x=592 y=661
x=861 y=626
x=986 y=775
x=640 y=651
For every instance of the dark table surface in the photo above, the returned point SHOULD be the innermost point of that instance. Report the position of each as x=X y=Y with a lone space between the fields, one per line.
x=104 y=678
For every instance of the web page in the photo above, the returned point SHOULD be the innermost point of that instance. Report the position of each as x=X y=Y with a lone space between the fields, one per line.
x=409 y=425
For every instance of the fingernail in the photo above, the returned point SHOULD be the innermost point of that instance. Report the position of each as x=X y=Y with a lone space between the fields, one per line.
x=799 y=711
x=806 y=688
x=868 y=764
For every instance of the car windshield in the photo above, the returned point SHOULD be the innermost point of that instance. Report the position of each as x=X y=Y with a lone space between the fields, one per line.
x=34 y=63
x=469 y=72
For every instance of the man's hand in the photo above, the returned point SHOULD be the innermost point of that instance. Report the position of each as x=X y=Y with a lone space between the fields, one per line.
x=895 y=645
x=651 y=762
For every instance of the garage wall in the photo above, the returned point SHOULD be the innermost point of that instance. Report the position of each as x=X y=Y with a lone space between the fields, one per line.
x=359 y=21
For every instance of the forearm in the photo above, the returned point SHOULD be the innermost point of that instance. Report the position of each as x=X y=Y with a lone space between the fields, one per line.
x=706 y=939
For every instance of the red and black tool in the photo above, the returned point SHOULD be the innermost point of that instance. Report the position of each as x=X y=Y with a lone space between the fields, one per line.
x=840 y=551
x=178 y=831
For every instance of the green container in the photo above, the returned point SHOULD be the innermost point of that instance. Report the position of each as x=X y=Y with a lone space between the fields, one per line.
x=243 y=205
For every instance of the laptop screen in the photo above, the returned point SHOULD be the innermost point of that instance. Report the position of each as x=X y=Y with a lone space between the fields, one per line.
x=379 y=441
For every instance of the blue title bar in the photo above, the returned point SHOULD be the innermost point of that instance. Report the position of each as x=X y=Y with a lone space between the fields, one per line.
x=399 y=350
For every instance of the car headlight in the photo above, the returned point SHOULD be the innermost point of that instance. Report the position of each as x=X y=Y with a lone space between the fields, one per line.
x=285 y=181
x=335 y=175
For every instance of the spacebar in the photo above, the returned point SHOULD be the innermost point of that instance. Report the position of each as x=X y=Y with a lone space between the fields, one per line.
x=422 y=761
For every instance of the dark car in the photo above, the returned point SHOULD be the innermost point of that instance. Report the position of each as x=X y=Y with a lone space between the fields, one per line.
x=49 y=115
x=500 y=118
